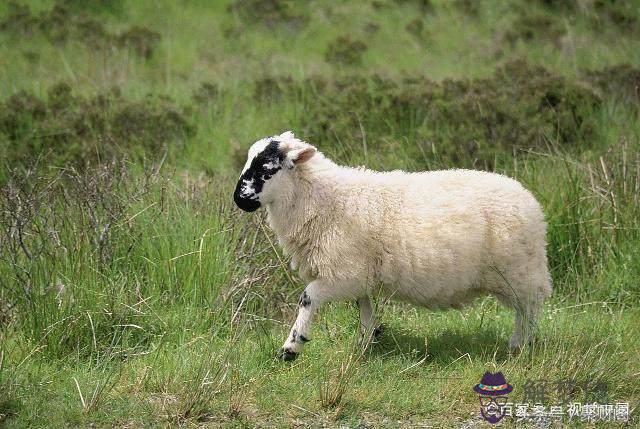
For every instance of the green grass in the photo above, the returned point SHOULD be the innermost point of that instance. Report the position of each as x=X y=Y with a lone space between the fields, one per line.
x=133 y=292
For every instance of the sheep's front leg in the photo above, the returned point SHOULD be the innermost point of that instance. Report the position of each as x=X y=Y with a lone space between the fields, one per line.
x=315 y=294
x=369 y=327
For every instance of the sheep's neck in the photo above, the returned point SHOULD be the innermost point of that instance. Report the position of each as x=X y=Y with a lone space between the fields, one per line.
x=296 y=216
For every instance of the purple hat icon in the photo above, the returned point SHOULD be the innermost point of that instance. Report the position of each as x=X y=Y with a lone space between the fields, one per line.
x=493 y=385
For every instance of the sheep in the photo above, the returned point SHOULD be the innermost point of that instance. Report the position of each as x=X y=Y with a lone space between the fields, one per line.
x=436 y=239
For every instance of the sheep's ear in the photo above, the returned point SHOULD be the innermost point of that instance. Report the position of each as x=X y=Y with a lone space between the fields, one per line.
x=287 y=135
x=300 y=156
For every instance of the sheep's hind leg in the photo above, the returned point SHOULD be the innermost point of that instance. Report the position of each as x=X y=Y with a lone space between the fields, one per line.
x=369 y=326
x=526 y=318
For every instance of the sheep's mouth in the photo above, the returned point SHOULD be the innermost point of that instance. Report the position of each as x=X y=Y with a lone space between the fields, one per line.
x=245 y=203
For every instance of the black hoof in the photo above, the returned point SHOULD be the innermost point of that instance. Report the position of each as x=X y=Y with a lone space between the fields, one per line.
x=377 y=333
x=286 y=355
x=372 y=337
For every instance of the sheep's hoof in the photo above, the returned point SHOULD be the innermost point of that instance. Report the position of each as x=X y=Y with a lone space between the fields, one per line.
x=377 y=333
x=287 y=355
x=515 y=347
x=372 y=336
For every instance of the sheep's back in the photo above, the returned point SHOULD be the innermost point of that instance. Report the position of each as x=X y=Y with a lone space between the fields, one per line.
x=436 y=235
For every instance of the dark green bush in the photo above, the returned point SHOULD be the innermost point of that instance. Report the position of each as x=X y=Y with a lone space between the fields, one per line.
x=529 y=27
x=424 y=6
x=618 y=14
x=346 y=51
x=415 y=27
x=519 y=107
x=620 y=81
x=114 y=7
x=141 y=40
x=76 y=129
x=63 y=23
x=271 y=13
x=469 y=7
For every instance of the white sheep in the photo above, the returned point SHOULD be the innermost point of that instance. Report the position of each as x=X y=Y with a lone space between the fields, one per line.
x=436 y=239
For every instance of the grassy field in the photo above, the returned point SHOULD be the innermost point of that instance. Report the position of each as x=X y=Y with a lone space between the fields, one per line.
x=132 y=291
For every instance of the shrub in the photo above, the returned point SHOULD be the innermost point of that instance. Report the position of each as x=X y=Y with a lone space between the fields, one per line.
x=62 y=24
x=424 y=6
x=345 y=50
x=529 y=27
x=75 y=129
x=271 y=13
x=415 y=28
x=620 y=81
x=519 y=107
x=141 y=40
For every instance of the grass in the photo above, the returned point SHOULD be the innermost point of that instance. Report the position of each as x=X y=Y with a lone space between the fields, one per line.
x=132 y=291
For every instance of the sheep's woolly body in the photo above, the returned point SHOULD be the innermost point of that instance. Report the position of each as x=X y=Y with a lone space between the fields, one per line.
x=437 y=238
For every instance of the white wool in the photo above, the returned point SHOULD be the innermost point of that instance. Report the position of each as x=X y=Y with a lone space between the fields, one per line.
x=433 y=238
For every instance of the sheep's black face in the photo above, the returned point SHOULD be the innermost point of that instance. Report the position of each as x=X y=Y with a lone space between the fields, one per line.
x=260 y=168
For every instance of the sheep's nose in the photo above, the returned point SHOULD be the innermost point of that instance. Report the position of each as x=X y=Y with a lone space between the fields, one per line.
x=246 y=204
